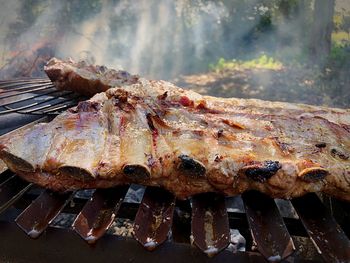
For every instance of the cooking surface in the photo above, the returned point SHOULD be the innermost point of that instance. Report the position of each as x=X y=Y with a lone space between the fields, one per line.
x=276 y=232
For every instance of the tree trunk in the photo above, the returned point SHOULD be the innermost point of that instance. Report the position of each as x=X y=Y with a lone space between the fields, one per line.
x=321 y=33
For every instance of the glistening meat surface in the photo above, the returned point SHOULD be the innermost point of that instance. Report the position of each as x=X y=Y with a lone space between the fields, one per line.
x=154 y=133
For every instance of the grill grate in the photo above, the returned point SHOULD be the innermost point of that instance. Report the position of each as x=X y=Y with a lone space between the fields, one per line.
x=206 y=220
x=34 y=96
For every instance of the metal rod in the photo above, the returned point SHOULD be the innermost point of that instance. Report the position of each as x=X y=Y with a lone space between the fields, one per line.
x=11 y=190
x=268 y=229
x=98 y=213
x=154 y=217
x=36 y=217
x=329 y=239
x=45 y=106
x=28 y=80
x=36 y=96
x=67 y=105
x=23 y=85
x=41 y=87
x=9 y=109
x=210 y=225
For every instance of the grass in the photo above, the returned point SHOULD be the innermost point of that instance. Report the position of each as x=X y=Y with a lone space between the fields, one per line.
x=262 y=62
x=340 y=37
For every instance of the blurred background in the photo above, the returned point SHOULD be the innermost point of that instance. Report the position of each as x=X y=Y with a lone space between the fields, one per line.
x=285 y=50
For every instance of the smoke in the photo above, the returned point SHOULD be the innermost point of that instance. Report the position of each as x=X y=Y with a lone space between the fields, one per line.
x=152 y=38
x=157 y=39
x=7 y=16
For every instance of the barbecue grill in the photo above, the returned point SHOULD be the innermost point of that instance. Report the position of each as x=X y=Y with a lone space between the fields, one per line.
x=175 y=230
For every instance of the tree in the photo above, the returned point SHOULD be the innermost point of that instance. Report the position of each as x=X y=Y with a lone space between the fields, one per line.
x=321 y=32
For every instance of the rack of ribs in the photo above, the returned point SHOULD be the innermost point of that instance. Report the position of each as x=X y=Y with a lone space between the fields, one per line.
x=134 y=130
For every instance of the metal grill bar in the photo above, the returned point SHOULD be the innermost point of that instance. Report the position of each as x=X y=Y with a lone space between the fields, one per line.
x=21 y=81
x=328 y=237
x=98 y=213
x=16 y=86
x=46 y=108
x=210 y=225
x=27 y=89
x=47 y=101
x=154 y=217
x=268 y=229
x=11 y=190
x=27 y=106
x=36 y=217
x=58 y=109
x=32 y=97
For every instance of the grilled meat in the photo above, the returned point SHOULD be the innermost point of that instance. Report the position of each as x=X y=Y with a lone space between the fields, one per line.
x=86 y=79
x=154 y=133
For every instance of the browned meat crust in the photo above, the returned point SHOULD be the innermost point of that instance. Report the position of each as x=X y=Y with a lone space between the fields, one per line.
x=153 y=133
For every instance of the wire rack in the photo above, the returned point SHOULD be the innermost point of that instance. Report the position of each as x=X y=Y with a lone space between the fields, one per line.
x=35 y=97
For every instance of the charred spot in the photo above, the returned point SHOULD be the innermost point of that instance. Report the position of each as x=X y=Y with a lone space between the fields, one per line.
x=220 y=133
x=101 y=69
x=262 y=171
x=119 y=97
x=176 y=132
x=88 y=106
x=150 y=122
x=73 y=110
x=191 y=167
x=321 y=145
x=218 y=158
x=340 y=154
x=120 y=100
x=346 y=127
x=136 y=172
x=102 y=164
x=313 y=174
x=163 y=96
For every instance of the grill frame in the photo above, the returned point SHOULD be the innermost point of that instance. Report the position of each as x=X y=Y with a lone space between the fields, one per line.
x=171 y=251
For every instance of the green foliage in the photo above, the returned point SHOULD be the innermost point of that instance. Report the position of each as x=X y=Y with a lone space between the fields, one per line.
x=340 y=53
x=262 y=62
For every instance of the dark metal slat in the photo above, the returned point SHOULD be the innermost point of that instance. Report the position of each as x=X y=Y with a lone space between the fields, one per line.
x=36 y=217
x=31 y=97
x=39 y=87
x=20 y=109
x=98 y=213
x=21 y=81
x=267 y=227
x=154 y=217
x=16 y=86
x=39 y=109
x=11 y=190
x=210 y=225
x=57 y=109
x=329 y=239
